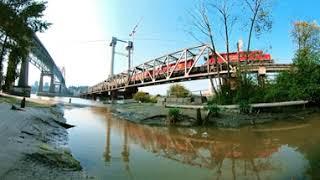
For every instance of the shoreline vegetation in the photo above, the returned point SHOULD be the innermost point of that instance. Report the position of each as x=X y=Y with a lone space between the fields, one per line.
x=157 y=115
x=34 y=141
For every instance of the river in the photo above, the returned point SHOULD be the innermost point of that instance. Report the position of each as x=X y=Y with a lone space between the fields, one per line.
x=112 y=148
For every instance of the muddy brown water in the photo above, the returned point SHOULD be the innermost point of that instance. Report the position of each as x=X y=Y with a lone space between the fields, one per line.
x=112 y=148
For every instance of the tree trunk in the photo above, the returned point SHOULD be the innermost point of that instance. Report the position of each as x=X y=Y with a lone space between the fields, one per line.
x=227 y=44
x=11 y=70
x=1 y=59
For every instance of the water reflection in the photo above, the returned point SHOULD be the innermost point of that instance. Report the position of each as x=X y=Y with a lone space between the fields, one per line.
x=279 y=151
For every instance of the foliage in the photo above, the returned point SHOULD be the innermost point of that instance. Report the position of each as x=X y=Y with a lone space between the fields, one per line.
x=259 y=12
x=212 y=108
x=306 y=35
x=153 y=99
x=20 y=19
x=225 y=95
x=144 y=97
x=174 y=114
x=178 y=90
x=141 y=96
x=14 y=58
x=302 y=82
x=244 y=106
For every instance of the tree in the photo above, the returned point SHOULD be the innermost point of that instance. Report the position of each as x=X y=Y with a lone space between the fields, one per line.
x=202 y=24
x=306 y=35
x=19 y=20
x=302 y=82
x=259 y=18
x=178 y=90
x=224 y=9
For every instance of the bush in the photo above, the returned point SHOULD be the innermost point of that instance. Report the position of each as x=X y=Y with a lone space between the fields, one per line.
x=178 y=90
x=174 y=114
x=212 y=108
x=141 y=97
x=244 y=107
x=145 y=97
x=225 y=95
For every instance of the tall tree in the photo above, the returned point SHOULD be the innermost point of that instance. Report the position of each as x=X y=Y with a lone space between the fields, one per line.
x=19 y=20
x=202 y=25
x=306 y=35
x=259 y=18
x=228 y=19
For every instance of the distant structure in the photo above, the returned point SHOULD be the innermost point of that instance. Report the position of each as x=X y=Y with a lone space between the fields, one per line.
x=34 y=87
x=76 y=91
x=63 y=72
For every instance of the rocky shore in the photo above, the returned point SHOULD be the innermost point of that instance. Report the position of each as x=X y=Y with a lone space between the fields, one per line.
x=33 y=143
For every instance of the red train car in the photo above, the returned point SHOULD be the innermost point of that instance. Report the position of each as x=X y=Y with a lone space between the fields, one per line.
x=162 y=70
x=242 y=56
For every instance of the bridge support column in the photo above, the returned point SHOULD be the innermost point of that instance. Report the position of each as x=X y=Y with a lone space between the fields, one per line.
x=23 y=89
x=113 y=96
x=40 y=88
x=261 y=80
x=52 y=85
x=261 y=76
x=129 y=92
x=59 y=88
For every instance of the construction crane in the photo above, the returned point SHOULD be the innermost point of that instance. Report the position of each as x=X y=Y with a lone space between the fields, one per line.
x=133 y=32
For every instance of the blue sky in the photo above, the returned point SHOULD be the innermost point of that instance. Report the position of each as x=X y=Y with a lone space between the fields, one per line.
x=79 y=38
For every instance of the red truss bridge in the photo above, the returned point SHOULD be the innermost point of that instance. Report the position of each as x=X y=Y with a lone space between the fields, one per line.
x=188 y=64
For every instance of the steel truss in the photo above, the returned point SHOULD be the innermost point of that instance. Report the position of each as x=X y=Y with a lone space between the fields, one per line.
x=183 y=65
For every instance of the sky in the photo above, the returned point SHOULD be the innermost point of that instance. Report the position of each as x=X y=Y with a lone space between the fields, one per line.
x=82 y=29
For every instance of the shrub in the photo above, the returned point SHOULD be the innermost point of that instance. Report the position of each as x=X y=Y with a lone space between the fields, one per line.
x=141 y=97
x=178 y=90
x=174 y=114
x=212 y=108
x=153 y=99
x=145 y=97
x=244 y=107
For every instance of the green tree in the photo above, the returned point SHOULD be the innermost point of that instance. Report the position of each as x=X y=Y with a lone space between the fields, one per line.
x=302 y=82
x=19 y=20
x=178 y=90
x=306 y=35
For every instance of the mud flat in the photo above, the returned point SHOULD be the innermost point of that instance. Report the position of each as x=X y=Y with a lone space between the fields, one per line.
x=153 y=114
x=34 y=143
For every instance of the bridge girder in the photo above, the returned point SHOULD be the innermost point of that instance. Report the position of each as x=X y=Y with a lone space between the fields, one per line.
x=183 y=65
x=41 y=59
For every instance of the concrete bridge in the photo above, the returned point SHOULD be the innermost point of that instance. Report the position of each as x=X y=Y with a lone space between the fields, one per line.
x=41 y=59
x=184 y=65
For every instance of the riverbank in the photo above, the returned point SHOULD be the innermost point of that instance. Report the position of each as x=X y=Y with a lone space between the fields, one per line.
x=34 y=142
x=154 y=114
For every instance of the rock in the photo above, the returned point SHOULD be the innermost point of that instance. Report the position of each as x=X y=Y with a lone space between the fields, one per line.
x=57 y=158
x=15 y=108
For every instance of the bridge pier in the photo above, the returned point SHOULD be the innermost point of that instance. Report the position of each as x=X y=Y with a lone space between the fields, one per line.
x=23 y=89
x=52 y=85
x=51 y=91
x=261 y=76
x=129 y=92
